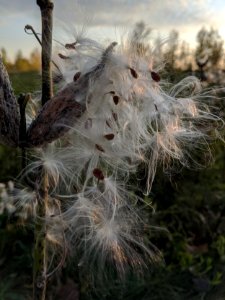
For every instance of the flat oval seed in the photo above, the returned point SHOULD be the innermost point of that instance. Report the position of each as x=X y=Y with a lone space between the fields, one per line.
x=109 y=136
x=155 y=76
x=133 y=73
x=99 y=148
x=63 y=56
x=71 y=46
x=116 y=99
x=76 y=76
x=98 y=174
x=88 y=123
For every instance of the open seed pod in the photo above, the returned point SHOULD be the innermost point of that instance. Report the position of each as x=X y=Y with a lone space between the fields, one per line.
x=60 y=113
x=9 y=111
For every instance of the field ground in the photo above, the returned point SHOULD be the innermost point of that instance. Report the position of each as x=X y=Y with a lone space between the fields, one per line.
x=191 y=205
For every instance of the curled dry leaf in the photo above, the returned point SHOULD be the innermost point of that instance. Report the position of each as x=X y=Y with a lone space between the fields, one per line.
x=9 y=111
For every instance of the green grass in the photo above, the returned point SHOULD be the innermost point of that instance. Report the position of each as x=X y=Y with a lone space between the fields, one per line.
x=26 y=82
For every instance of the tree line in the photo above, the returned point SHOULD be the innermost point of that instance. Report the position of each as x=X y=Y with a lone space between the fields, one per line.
x=21 y=63
x=177 y=54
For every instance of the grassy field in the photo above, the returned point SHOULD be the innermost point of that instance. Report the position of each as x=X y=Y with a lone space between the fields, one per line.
x=191 y=205
x=10 y=162
x=27 y=82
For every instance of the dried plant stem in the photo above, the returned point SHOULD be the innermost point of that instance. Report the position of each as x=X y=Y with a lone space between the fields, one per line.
x=40 y=248
x=22 y=100
x=29 y=27
x=46 y=7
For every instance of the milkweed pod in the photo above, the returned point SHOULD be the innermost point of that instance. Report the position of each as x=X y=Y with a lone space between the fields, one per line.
x=9 y=111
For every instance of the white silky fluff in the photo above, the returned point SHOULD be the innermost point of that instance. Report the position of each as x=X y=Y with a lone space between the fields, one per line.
x=131 y=119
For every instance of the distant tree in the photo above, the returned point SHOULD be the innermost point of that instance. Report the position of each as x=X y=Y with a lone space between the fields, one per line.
x=21 y=64
x=138 y=36
x=4 y=56
x=158 y=46
x=184 y=57
x=5 y=59
x=35 y=60
x=209 y=49
x=170 y=53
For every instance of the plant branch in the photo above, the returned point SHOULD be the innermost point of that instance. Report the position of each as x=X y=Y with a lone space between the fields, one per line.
x=29 y=27
x=40 y=248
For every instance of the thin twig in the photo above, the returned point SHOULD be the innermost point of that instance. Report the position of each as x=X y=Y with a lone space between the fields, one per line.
x=62 y=261
x=29 y=27
x=40 y=249
x=36 y=34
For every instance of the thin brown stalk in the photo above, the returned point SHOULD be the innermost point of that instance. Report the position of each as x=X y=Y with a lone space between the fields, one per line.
x=46 y=7
x=40 y=248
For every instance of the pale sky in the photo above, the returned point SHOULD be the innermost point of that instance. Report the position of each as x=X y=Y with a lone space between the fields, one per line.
x=107 y=19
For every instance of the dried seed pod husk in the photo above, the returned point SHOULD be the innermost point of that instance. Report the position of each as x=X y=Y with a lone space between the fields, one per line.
x=55 y=118
x=60 y=113
x=9 y=111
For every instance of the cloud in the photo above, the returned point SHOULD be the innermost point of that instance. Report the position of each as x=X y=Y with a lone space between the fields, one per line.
x=104 y=15
x=121 y=13
x=118 y=12
x=15 y=7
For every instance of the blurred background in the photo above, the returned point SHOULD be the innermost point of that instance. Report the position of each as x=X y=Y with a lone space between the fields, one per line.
x=189 y=36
